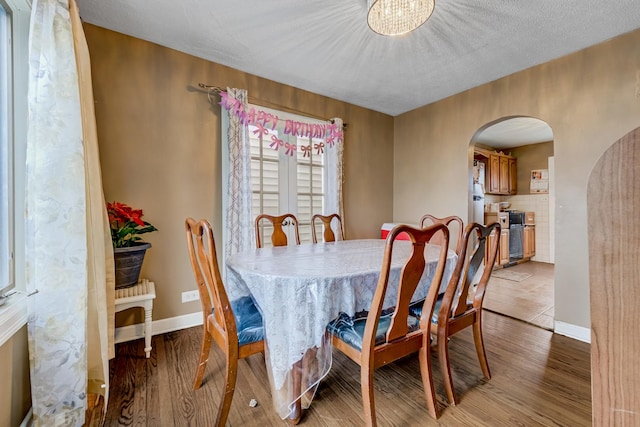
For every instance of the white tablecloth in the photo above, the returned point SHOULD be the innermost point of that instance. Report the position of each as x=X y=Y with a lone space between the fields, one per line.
x=300 y=289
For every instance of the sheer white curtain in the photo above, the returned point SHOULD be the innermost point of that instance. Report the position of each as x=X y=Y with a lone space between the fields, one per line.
x=238 y=230
x=335 y=174
x=68 y=253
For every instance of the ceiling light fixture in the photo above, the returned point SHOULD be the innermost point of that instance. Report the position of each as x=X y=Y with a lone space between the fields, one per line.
x=396 y=17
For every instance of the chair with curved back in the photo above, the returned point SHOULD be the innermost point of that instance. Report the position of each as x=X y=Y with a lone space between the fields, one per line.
x=278 y=237
x=461 y=306
x=328 y=235
x=457 y=230
x=235 y=326
x=384 y=336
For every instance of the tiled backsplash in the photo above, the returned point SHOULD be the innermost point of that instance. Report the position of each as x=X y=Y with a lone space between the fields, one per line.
x=538 y=203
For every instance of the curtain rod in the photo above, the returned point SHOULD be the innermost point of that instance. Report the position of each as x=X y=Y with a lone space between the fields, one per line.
x=216 y=89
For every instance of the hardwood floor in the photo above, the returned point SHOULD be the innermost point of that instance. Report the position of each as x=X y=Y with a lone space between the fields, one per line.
x=538 y=379
x=530 y=300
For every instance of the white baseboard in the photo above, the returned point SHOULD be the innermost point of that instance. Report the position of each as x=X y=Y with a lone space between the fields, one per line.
x=28 y=419
x=579 y=333
x=134 y=332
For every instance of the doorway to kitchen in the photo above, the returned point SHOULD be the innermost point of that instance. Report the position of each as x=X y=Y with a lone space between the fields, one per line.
x=511 y=177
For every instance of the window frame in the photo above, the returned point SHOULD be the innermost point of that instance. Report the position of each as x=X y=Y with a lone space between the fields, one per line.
x=13 y=314
x=7 y=281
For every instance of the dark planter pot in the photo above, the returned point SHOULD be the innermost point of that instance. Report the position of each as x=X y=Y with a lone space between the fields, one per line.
x=128 y=263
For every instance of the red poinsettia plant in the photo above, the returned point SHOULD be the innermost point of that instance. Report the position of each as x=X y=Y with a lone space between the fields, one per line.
x=126 y=224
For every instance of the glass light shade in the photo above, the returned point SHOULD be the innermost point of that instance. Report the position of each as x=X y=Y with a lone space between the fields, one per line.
x=395 y=17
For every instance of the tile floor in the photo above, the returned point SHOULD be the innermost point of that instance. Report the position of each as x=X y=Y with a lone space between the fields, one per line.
x=530 y=300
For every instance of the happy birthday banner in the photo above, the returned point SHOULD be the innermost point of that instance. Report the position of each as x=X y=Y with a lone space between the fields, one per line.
x=264 y=121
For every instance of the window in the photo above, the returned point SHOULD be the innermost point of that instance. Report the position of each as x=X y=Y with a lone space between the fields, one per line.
x=14 y=54
x=284 y=180
x=6 y=155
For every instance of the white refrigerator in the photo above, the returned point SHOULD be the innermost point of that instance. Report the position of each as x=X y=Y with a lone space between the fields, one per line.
x=478 y=191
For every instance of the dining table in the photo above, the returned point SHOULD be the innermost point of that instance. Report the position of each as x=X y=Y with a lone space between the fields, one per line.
x=300 y=289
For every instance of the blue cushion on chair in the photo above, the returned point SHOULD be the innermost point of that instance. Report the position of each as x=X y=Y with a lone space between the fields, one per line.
x=351 y=329
x=248 y=320
x=415 y=309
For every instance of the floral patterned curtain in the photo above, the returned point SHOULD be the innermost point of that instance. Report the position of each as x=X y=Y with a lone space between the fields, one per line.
x=68 y=252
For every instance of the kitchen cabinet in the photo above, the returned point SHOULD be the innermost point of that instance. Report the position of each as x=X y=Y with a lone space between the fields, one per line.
x=529 y=218
x=503 y=244
x=504 y=180
x=503 y=250
x=493 y=174
x=501 y=174
x=513 y=176
x=500 y=217
x=502 y=257
x=529 y=241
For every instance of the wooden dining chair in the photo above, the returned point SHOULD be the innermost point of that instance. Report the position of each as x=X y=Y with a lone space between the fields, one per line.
x=461 y=304
x=235 y=326
x=327 y=234
x=454 y=223
x=278 y=237
x=384 y=336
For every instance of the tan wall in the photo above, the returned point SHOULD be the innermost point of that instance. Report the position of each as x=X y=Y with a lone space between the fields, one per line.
x=15 y=398
x=160 y=149
x=590 y=99
x=533 y=156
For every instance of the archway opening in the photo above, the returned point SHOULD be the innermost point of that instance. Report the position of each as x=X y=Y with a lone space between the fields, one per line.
x=511 y=180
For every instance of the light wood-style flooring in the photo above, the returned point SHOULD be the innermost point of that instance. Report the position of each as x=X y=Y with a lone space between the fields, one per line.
x=538 y=379
x=530 y=300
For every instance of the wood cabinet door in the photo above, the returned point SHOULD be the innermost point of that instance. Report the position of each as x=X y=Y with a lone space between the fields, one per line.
x=490 y=240
x=529 y=218
x=494 y=174
x=529 y=242
x=504 y=175
x=513 y=176
x=533 y=241
x=503 y=252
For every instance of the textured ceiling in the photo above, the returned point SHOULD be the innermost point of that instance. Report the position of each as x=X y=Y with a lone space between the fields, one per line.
x=514 y=132
x=326 y=47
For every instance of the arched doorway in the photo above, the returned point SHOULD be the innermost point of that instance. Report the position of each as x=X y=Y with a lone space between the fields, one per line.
x=514 y=155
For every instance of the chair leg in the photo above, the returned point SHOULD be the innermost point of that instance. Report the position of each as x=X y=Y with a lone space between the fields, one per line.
x=366 y=384
x=479 y=341
x=445 y=366
x=204 y=358
x=230 y=385
x=427 y=378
